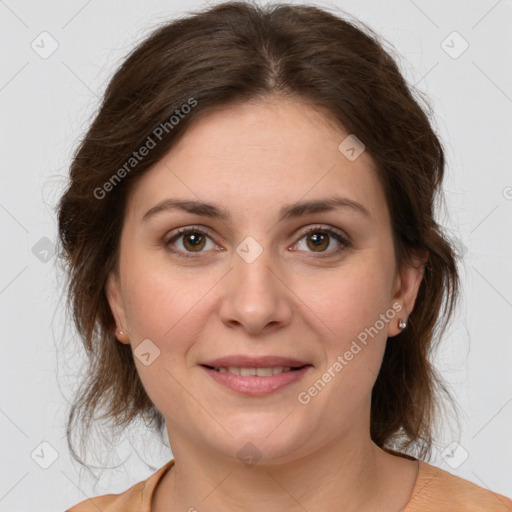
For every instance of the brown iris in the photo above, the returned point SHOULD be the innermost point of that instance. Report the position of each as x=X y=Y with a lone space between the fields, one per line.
x=197 y=241
x=320 y=240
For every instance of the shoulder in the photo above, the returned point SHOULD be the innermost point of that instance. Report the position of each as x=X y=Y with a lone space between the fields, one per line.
x=135 y=499
x=114 y=502
x=438 y=490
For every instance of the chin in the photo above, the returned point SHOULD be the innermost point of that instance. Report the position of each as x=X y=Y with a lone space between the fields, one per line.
x=264 y=440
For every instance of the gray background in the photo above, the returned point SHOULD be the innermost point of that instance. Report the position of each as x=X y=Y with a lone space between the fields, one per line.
x=47 y=103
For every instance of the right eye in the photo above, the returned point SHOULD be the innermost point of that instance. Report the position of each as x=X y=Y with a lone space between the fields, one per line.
x=193 y=241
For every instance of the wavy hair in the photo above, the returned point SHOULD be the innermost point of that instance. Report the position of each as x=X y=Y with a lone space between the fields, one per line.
x=231 y=53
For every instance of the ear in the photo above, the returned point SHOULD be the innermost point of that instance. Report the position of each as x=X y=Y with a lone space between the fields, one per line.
x=407 y=284
x=114 y=297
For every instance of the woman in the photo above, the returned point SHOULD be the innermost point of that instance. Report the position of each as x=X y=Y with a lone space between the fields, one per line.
x=254 y=263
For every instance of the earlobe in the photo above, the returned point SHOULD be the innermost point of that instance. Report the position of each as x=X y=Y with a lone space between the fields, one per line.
x=113 y=294
x=406 y=290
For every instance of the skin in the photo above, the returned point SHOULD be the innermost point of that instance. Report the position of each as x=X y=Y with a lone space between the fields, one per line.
x=294 y=300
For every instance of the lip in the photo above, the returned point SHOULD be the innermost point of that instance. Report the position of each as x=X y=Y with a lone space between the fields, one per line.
x=254 y=385
x=244 y=361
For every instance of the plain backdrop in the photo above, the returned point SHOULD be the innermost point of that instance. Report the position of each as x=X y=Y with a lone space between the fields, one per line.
x=57 y=57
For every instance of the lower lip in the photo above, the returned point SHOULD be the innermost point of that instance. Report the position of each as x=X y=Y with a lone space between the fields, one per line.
x=254 y=385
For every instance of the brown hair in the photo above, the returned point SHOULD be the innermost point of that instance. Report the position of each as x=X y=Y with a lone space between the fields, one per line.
x=237 y=52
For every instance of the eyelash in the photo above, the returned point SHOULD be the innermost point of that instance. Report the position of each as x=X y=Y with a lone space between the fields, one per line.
x=315 y=229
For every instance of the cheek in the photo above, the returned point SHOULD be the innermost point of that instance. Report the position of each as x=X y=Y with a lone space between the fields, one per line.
x=160 y=299
x=355 y=304
x=351 y=300
x=167 y=308
x=171 y=309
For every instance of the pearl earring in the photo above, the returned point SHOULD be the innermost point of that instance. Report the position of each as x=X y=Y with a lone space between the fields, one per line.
x=402 y=324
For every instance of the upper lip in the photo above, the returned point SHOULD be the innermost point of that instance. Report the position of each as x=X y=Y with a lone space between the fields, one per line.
x=244 y=361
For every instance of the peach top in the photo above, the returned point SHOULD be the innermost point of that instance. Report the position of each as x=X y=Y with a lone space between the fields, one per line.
x=435 y=490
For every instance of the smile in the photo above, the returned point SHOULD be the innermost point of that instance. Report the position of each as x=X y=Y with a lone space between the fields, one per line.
x=259 y=381
x=260 y=372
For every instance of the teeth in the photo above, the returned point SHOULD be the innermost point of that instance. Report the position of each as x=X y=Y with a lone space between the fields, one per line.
x=264 y=372
x=259 y=372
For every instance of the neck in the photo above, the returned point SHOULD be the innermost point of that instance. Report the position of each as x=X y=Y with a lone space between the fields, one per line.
x=351 y=474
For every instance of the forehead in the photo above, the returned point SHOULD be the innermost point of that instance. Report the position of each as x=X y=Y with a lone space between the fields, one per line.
x=265 y=153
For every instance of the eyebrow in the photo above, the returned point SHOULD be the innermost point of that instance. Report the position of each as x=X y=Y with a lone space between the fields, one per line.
x=287 y=212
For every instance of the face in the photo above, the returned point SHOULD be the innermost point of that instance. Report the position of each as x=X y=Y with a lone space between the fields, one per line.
x=264 y=278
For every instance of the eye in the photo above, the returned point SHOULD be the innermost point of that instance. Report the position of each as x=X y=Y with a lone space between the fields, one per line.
x=194 y=240
x=319 y=240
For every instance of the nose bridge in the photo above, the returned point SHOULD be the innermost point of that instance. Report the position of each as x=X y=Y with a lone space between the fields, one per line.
x=255 y=297
x=253 y=265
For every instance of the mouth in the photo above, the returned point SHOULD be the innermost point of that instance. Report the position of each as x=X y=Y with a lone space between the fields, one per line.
x=256 y=380
x=255 y=371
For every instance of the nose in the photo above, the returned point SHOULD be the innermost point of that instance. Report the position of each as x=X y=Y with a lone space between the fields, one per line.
x=256 y=296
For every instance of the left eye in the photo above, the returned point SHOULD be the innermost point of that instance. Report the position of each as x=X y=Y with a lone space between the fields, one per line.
x=320 y=238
